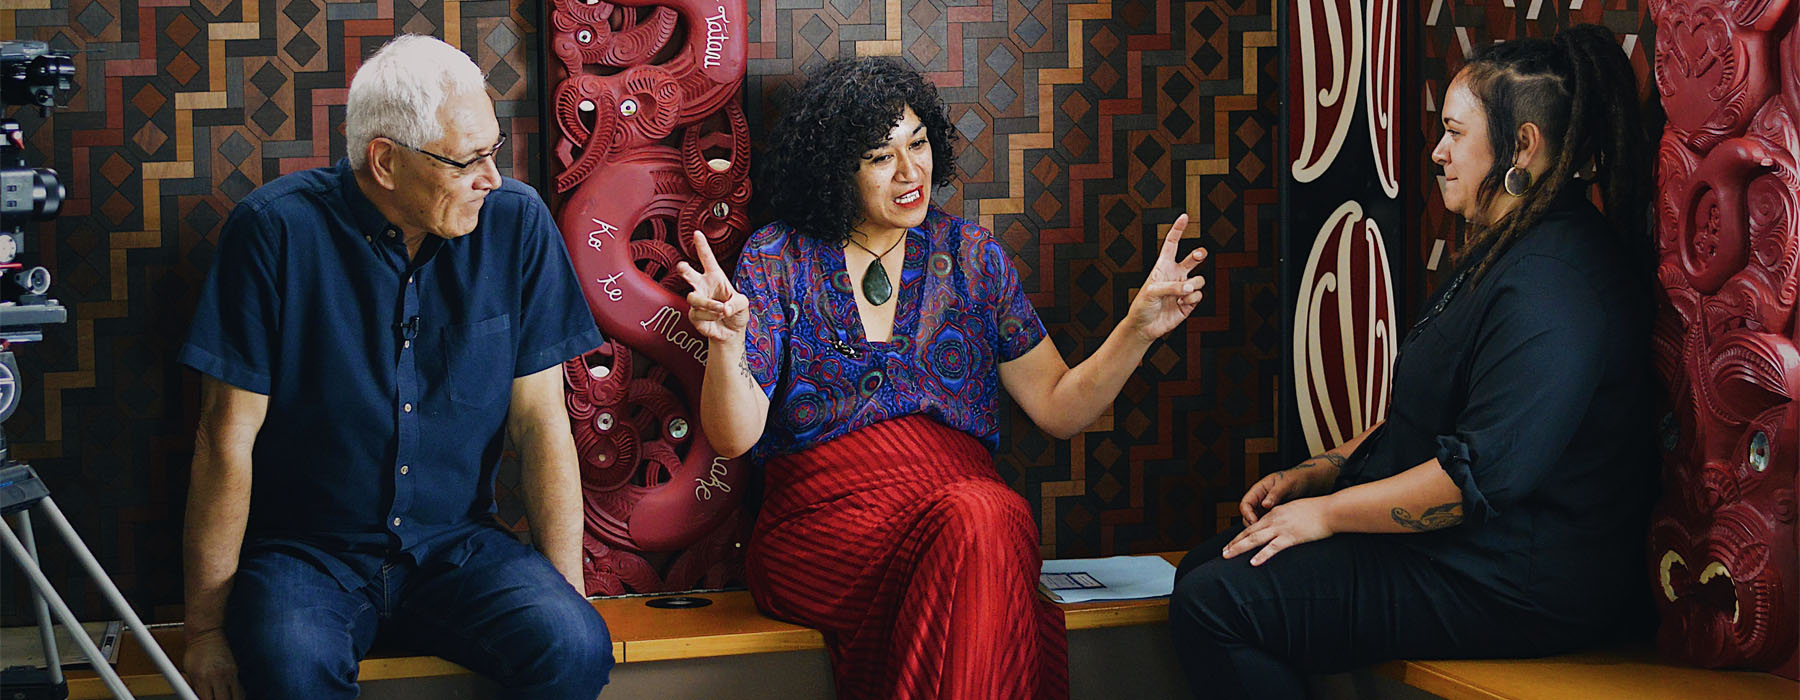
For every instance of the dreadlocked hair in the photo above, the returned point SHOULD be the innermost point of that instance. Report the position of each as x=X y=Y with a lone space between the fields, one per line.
x=1580 y=90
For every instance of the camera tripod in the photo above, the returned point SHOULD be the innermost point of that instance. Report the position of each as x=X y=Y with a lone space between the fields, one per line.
x=21 y=491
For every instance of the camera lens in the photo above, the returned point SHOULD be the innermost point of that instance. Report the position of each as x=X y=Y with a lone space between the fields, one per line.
x=29 y=194
x=32 y=74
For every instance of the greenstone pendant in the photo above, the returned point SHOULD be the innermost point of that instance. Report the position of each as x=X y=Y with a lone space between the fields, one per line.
x=876 y=287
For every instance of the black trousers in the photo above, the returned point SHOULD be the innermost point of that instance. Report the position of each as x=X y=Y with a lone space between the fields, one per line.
x=1330 y=606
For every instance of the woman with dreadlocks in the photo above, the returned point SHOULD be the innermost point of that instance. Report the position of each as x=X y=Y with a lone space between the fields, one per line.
x=1499 y=509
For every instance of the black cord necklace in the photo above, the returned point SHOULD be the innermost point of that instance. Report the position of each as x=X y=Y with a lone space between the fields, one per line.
x=1438 y=308
x=876 y=286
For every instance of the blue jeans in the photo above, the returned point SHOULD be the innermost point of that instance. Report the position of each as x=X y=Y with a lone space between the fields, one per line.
x=505 y=613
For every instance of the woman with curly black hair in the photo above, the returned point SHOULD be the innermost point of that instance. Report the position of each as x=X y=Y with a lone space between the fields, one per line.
x=860 y=350
x=1500 y=509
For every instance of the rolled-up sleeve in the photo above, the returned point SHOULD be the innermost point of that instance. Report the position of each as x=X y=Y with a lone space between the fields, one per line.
x=1538 y=359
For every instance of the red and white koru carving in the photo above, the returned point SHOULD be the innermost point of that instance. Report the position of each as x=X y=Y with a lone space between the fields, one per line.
x=1329 y=67
x=1724 y=540
x=649 y=145
x=1382 y=94
x=1344 y=336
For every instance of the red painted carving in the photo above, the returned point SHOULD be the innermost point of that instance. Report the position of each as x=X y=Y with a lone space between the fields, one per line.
x=650 y=143
x=1724 y=541
x=1345 y=338
x=1327 y=72
x=1383 y=92
x=1715 y=64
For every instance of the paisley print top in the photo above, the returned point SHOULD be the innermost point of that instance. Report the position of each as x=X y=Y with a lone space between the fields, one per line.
x=961 y=314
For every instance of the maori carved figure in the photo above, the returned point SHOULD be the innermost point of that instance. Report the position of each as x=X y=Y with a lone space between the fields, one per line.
x=1715 y=65
x=1724 y=540
x=649 y=144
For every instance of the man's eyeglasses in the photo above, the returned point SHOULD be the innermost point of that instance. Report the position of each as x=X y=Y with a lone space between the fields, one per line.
x=459 y=165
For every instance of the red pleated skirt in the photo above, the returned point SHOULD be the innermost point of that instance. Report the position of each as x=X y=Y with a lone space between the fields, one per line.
x=902 y=545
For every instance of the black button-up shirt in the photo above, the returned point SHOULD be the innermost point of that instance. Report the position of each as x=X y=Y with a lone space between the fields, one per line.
x=1532 y=387
x=388 y=379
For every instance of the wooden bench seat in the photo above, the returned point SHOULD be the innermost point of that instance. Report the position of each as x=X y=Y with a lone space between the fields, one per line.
x=1628 y=674
x=732 y=626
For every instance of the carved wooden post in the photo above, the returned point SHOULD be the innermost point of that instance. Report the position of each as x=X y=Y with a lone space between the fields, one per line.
x=1341 y=218
x=1723 y=541
x=649 y=144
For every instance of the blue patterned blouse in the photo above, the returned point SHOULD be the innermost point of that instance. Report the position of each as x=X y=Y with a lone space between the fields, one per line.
x=961 y=314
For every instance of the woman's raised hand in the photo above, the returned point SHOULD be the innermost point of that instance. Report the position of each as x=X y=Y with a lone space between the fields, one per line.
x=715 y=308
x=1169 y=294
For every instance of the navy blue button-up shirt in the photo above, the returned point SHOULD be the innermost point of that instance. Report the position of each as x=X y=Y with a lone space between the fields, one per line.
x=388 y=379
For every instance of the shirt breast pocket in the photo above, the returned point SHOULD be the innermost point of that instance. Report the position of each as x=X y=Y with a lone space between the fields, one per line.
x=479 y=359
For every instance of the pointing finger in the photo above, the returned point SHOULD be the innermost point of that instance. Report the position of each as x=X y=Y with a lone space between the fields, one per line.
x=704 y=250
x=1173 y=239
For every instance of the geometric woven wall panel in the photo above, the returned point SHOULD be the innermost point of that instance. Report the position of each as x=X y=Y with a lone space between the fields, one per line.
x=179 y=110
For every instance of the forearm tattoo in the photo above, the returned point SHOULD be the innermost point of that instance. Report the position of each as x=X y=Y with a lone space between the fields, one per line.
x=744 y=367
x=1434 y=518
x=1328 y=458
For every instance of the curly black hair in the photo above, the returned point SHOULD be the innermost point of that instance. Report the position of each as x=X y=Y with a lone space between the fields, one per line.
x=846 y=109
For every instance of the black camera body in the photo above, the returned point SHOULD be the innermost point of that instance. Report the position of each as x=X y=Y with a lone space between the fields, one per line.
x=30 y=75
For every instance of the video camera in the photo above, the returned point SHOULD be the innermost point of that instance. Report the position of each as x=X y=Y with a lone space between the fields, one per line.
x=30 y=75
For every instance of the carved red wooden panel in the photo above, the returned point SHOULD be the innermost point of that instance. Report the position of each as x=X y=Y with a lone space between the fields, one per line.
x=1327 y=73
x=1340 y=199
x=1382 y=95
x=650 y=143
x=1724 y=541
x=1345 y=339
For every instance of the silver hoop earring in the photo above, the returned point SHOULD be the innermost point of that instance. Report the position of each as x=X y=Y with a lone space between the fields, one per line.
x=1516 y=181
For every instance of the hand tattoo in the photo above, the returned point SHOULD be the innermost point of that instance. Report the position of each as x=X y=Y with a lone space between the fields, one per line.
x=1434 y=518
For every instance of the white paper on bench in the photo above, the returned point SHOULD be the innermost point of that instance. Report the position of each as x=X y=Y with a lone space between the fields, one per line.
x=1122 y=578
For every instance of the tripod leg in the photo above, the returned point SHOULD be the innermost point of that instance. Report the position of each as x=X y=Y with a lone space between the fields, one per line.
x=16 y=550
x=154 y=650
x=52 y=660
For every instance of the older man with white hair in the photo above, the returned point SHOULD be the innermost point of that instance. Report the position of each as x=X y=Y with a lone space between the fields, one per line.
x=366 y=333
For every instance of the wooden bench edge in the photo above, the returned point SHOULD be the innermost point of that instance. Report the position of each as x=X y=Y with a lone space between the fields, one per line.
x=777 y=636
x=1434 y=680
